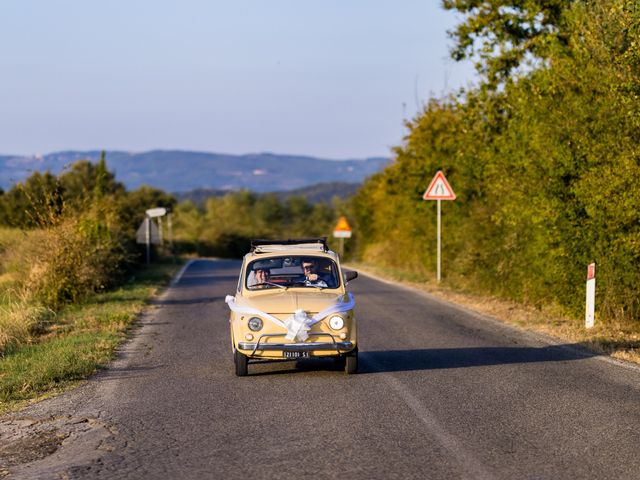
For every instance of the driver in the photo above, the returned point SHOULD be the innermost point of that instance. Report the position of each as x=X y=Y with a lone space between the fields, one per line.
x=310 y=270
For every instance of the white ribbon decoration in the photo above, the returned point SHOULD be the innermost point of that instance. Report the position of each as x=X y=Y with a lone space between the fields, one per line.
x=231 y=301
x=298 y=326
x=299 y=323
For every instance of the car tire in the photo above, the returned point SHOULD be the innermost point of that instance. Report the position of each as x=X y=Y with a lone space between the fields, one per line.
x=242 y=364
x=351 y=362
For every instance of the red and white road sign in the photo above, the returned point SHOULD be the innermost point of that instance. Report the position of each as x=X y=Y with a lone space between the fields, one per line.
x=439 y=189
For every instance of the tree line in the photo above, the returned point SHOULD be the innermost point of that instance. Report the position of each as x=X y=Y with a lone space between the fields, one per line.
x=81 y=227
x=79 y=233
x=543 y=154
x=224 y=226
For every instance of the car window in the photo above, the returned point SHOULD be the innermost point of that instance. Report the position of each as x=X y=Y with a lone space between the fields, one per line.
x=292 y=271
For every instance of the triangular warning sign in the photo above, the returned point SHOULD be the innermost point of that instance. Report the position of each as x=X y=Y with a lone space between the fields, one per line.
x=343 y=225
x=154 y=233
x=439 y=189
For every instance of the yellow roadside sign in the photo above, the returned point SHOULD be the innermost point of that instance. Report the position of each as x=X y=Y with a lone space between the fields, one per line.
x=343 y=225
x=342 y=230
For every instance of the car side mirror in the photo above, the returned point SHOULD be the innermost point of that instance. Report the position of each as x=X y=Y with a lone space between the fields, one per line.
x=349 y=275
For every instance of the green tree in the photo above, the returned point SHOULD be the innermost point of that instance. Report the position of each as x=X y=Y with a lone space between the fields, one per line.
x=37 y=201
x=102 y=178
x=85 y=180
x=502 y=35
x=133 y=205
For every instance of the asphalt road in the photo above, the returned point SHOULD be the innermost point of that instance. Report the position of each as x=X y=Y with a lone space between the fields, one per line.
x=442 y=394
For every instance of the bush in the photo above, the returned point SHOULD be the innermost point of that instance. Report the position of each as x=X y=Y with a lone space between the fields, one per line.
x=77 y=256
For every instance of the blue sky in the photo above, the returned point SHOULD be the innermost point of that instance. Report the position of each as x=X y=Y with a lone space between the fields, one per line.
x=330 y=78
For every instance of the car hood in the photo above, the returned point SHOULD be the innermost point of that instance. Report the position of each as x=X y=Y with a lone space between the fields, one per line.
x=282 y=302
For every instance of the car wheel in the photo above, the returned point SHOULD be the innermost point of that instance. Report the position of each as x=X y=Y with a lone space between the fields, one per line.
x=242 y=362
x=351 y=361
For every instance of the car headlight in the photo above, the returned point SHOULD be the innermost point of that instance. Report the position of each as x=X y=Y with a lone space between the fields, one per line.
x=255 y=324
x=336 y=322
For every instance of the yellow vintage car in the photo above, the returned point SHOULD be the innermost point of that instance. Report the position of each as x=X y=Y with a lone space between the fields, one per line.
x=291 y=303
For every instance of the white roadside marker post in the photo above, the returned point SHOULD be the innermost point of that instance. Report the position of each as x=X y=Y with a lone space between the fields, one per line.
x=589 y=320
x=439 y=189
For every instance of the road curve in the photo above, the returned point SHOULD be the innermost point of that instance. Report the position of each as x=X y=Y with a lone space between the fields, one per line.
x=443 y=393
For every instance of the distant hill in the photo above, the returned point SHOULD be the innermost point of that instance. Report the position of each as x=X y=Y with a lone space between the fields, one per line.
x=199 y=195
x=323 y=192
x=183 y=171
x=318 y=193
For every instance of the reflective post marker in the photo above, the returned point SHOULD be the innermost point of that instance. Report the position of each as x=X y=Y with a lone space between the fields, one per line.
x=589 y=320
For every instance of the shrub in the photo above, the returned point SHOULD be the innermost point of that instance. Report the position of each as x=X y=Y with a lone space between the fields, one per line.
x=19 y=320
x=77 y=256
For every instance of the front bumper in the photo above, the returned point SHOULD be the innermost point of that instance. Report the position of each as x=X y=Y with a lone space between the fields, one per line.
x=333 y=345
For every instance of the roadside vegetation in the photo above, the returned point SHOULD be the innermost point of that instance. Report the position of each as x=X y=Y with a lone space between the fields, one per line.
x=224 y=226
x=77 y=340
x=543 y=154
x=67 y=259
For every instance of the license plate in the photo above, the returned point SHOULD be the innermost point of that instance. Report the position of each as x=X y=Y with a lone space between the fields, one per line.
x=296 y=354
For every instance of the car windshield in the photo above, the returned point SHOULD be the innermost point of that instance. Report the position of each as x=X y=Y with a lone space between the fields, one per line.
x=292 y=271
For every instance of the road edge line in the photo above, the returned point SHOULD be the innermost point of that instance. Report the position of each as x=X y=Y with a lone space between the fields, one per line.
x=178 y=276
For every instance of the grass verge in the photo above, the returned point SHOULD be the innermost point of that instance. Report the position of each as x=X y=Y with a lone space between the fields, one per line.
x=81 y=339
x=609 y=337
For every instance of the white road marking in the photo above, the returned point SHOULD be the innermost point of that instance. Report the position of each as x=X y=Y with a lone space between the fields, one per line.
x=184 y=268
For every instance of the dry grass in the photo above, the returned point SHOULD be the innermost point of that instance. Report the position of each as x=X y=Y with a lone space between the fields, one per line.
x=616 y=338
x=42 y=270
x=82 y=338
x=19 y=320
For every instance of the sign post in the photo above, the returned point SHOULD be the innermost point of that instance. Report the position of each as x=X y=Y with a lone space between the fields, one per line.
x=147 y=237
x=439 y=189
x=589 y=319
x=148 y=232
x=342 y=231
x=439 y=255
x=158 y=213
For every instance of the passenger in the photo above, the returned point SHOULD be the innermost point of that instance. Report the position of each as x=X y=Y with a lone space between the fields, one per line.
x=258 y=278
